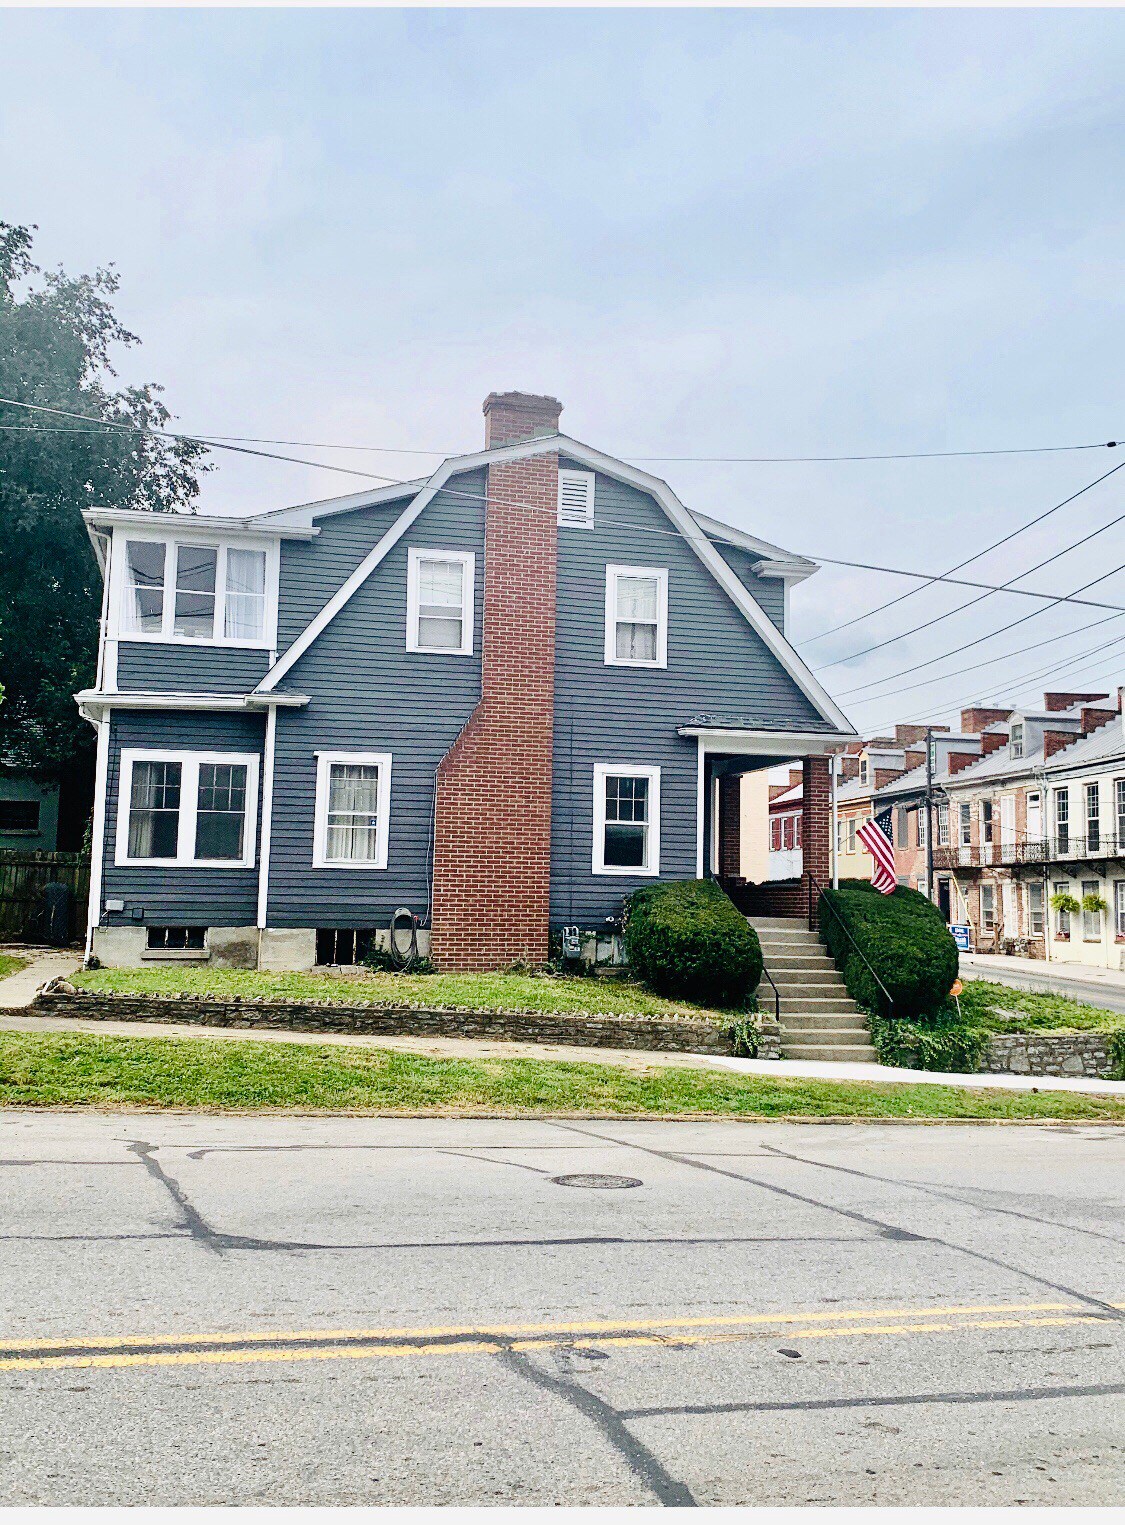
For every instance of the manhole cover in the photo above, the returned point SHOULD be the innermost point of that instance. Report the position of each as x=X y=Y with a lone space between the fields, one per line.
x=599 y=1183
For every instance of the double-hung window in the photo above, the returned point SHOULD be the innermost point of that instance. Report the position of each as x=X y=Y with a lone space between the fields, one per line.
x=1119 y=908
x=1015 y=747
x=1093 y=817
x=185 y=808
x=1062 y=820
x=1035 y=912
x=988 y=907
x=965 y=823
x=636 y=616
x=1062 y=917
x=943 y=825
x=439 y=602
x=626 y=820
x=179 y=590
x=986 y=822
x=353 y=798
x=1091 y=920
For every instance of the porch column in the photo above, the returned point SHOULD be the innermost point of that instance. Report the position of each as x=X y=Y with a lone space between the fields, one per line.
x=816 y=826
x=730 y=826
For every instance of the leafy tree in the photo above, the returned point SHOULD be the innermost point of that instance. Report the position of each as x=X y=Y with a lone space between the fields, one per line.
x=57 y=333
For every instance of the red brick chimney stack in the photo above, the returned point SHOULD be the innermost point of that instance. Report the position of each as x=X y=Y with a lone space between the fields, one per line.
x=492 y=854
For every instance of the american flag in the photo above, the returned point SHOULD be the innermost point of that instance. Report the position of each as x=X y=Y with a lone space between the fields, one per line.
x=876 y=837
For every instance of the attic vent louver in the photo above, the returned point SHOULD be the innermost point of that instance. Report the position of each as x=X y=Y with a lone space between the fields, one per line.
x=576 y=499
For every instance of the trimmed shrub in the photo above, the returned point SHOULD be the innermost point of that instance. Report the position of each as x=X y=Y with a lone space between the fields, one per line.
x=686 y=939
x=904 y=938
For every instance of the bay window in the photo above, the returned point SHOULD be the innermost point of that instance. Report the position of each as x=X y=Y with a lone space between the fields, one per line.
x=187 y=808
x=636 y=616
x=626 y=820
x=183 y=590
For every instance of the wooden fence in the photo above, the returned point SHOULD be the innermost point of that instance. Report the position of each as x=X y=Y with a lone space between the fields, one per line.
x=24 y=877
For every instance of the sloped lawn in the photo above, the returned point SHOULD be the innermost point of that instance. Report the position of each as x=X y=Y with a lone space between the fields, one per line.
x=1003 y=1009
x=479 y=992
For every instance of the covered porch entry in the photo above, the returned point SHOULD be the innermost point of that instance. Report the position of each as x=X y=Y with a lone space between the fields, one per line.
x=725 y=755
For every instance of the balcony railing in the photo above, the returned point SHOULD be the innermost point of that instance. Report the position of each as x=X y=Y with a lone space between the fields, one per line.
x=1056 y=849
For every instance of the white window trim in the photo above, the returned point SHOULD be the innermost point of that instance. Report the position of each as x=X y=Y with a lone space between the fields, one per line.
x=602 y=771
x=119 y=589
x=612 y=573
x=324 y=761
x=587 y=480
x=415 y=556
x=189 y=805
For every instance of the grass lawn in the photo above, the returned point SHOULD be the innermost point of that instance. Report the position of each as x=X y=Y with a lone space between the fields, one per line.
x=1002 y=1009
x=487 y=992
x=10 y=963
x=87 y=1070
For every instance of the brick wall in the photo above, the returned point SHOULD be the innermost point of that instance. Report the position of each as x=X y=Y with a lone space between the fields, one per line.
x=492 y=822
x=730 y=826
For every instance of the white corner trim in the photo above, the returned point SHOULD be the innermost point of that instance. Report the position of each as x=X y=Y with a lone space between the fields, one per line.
x=416 y=555
x=700 y=785
x=267 y=816
x=613 y=573
x=189 y=803
x=324 y=762
x=97 y=832
x=602 y=771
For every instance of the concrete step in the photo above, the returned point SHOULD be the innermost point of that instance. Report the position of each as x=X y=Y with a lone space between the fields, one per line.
x=816 y=1022
x=841 y=1053
x=778 y=923
x=801 y=960
x=817 y=1004
x=791 y=979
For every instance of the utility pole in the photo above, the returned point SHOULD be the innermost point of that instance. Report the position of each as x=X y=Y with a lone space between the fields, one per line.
x=929 y=813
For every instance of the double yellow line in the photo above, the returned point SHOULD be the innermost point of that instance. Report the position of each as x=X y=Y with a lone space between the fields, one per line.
x=227 y=1348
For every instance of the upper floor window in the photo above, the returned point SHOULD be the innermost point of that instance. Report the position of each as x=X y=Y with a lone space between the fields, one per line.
x=1093 y=817
x=1119 y=810
x=576 y=499
x=353 y=796
x=180 y=808
x=1062 y=819
x=439 y=602
x=943 y=824
x=863 y=774
x=965 y=824
x=1016 y=746
x=626 y=820
x=636 y=616
x=183 y=591
x=986 y=821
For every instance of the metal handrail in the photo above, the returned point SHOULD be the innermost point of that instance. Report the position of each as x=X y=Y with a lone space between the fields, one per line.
x=821 y=899
x=776 y=995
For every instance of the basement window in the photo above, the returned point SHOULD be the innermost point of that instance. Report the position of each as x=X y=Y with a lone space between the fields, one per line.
x=19 y=815
x=177 y=939
x=343 y=945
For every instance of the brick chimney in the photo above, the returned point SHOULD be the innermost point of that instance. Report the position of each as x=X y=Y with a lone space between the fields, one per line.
x=957 y=761
x=492 y=820
x=907 y=735
x=975 y=720
x=1055 y=740
x=1093 y=719
x=992 y=741
x=1053 y=703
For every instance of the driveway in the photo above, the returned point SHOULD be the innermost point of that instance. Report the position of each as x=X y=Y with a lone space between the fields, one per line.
x=436 y=1311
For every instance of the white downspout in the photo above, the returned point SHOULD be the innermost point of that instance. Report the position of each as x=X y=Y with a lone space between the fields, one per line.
x=267 y=819
x=97 y=833
x=835 y=830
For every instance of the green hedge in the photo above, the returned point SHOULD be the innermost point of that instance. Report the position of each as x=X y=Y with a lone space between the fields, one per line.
x=904 y=938
x=685 y=939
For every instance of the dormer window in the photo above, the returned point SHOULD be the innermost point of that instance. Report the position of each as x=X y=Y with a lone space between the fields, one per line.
x=863 y=770
x=636 y=616
x=1016 y=741
x=184 y=590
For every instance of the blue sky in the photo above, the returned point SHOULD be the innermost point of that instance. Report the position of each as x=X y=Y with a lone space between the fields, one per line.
x=708 y=232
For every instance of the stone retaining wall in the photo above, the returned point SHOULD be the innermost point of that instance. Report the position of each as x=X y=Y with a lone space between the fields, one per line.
x=1068 y=1054
x=666 y=1034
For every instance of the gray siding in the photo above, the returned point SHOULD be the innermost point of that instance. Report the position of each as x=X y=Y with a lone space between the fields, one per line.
x=211 y=897
x=312 y=570
x=164 y=667
x=767 y=592
x=368 y=693
x=716 y=664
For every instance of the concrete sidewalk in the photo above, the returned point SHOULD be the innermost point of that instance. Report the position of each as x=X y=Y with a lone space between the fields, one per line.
x=1082 y=982
x=18 y=990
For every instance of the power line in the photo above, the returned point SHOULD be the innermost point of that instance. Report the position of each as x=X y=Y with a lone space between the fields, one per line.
x=968 y=604
x=1001 y=629
x=996 y=544
x=538 y=508
x=959 y=672
x=725 y=460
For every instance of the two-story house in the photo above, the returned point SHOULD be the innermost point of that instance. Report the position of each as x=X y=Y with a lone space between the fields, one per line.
x=499 y=697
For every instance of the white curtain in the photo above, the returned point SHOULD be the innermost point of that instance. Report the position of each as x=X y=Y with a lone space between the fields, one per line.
x=637 y=605
x=245 y=618
x=353 y=813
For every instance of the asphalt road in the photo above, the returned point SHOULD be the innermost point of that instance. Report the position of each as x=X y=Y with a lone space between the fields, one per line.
x=340 y=1311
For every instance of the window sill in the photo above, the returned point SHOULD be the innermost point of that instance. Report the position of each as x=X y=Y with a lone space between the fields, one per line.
x=176 y=955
